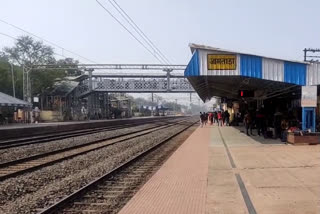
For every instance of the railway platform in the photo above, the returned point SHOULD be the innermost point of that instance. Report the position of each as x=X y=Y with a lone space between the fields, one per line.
x=221 y=170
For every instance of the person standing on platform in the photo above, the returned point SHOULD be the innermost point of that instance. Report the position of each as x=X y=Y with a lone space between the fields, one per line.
x=277 y=123
x=206 y=115
x=211 y=118
x=260 y=118
x=201 y=119
x=215 y=117
x=248 y=123
x=226 y=118
x=222 y=115
x=219 y=118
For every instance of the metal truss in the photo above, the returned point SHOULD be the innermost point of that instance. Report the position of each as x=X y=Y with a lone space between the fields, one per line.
x=111 y=67
x=134 y=84
x=124 y=81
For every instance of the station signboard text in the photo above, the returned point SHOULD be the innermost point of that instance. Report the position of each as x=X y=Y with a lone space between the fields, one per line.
x=222 y=62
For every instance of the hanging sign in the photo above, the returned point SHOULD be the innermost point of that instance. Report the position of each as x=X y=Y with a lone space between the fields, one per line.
x=222 y=62
x=309 y=96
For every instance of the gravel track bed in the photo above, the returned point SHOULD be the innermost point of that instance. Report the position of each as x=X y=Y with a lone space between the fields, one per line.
x=25 y=193
x=34 y=149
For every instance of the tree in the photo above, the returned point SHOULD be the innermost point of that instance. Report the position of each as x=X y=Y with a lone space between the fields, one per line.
x=172 y=106
x=27 y=51
x=3 y=57
x=69 y=63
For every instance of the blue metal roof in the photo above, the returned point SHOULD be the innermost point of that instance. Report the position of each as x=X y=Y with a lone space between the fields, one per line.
x=295 y=73
x=194 y=47
x=250 y=65
x=193 y=68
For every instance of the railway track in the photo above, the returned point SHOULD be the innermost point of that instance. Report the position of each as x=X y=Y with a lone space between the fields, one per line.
x=110 y=192
x=5 y=144
x=31 y=163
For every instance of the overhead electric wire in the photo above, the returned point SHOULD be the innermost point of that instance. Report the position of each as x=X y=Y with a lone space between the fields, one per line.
x=138 y=30
x=47 y=41
x=4 y=34
x=141 y=43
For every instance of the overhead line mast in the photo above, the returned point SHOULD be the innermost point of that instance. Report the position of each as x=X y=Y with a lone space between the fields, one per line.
x=311 y=58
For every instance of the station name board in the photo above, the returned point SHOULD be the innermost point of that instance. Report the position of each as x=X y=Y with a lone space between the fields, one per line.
x=222 y=62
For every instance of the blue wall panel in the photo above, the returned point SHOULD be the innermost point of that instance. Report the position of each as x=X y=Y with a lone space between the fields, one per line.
x=193 y=66
x=295 y=73
x=309 y=118
x=250 y=66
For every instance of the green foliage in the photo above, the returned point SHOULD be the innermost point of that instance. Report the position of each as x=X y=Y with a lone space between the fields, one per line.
x=41 y=80
x=27 y=51
x=6 y=79
x=70 y=63
x=172 y=106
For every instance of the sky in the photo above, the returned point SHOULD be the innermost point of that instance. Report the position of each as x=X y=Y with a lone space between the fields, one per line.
x=274 y=28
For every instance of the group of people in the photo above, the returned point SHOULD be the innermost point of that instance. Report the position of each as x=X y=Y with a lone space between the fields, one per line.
x=258 y=119
x=222 y=118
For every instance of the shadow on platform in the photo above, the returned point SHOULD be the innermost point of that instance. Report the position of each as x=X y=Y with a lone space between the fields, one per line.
x=259 y=139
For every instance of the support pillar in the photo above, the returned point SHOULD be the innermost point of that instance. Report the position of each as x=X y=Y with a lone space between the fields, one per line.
x=107 y=105
x=129 y=108
x=26 y=84
x=152 y=104
x=104 y=107
x=90 y=98
x=259 y=103
x=168 y=78
x=309 y=118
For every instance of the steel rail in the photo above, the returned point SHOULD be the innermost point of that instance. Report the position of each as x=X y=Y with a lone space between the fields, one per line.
x=39 y=164
x=60 y=204
x=51 y=137
x=48 y=138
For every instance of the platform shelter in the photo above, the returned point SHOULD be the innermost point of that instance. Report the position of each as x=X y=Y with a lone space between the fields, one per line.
x=237 y=76
x=13 y=109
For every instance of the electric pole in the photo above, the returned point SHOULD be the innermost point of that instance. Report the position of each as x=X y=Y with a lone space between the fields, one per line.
x=311 y=58
x=12 y=78
x=26 y=83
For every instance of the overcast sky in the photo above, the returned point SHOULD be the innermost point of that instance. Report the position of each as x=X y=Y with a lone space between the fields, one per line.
x=276 y=28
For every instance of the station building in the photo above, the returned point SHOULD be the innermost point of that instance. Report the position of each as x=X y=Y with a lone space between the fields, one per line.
x=249 y=81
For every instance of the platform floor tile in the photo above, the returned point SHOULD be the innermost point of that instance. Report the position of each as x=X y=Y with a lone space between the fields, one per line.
x=180 y=185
